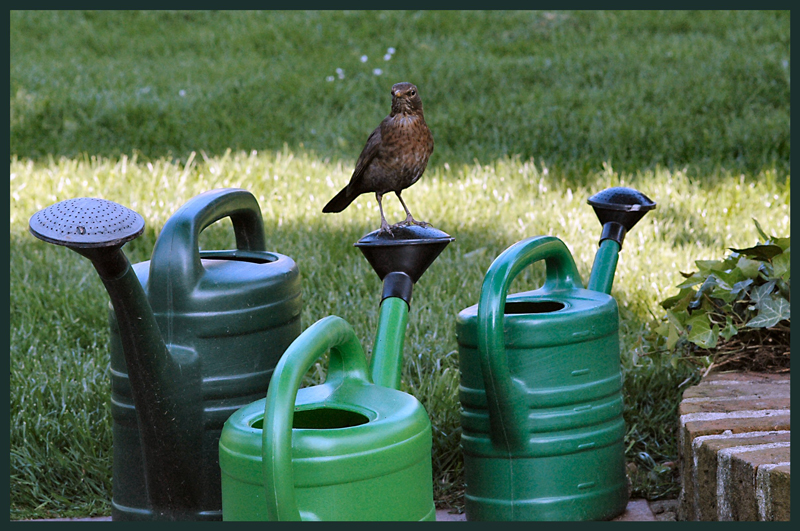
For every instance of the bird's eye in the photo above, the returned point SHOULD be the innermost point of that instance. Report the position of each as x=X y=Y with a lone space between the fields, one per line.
x=412 y=93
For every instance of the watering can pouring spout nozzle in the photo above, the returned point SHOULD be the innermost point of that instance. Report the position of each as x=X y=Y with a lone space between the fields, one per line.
x=618 y=210
x=399 y=258
x=97 y=229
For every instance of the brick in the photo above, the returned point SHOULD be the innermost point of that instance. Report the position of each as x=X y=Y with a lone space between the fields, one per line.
x=747 y=402
x=736 y=480
x=704 y=457
x=702 y=424
x=740 y=403
x=745 y=377
x=773 y=489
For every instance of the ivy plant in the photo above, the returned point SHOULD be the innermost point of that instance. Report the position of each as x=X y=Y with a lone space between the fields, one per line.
x=747 y=290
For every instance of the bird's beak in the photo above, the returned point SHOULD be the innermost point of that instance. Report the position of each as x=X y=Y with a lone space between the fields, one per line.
x=396 y=93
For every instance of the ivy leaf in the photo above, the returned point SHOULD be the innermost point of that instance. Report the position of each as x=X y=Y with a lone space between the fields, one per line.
x=762 y=293
x=784 y=289
x=679 y=301
x=782 y=265
x=672 y=337
x=729 y=331
x=701 y=332
x=749 y=268
x=730 y=277
x=677 y=319
x=693 y=280
x=772 y=311
x=741 y=286
x=726 y=295
x=763 y=252
x=707 y=266
x=783 y=243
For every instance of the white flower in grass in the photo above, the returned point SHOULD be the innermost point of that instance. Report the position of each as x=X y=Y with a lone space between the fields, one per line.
x=387 y=57
x=364 y=58
x=329 y=78
x=390 y=50
x=182 y=93
x=377 y=71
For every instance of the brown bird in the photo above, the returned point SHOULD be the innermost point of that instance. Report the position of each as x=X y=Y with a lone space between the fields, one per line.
x=394 y=158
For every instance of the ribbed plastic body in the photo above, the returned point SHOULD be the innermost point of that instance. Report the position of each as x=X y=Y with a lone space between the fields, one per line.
x=236 y=352
x=345 y=450
x=379 y=470
x=226 y=318
x=552 y=449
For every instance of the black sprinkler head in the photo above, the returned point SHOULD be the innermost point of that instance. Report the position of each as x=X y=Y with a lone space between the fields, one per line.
x=86 y=223
x=94 y=228
x=402 y=256
x=410 y=249
x=619 y=209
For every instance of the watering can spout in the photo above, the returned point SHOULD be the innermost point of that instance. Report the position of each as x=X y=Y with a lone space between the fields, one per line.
x=97 y=229
x=399 y=258
x=618 y=210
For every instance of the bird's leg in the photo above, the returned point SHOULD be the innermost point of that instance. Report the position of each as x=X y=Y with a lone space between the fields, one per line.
x=384 y=225
x=409 y=218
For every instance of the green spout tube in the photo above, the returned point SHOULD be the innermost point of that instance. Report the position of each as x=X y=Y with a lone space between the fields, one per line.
x=386 y=364
x=159 y=392
x=604 y=267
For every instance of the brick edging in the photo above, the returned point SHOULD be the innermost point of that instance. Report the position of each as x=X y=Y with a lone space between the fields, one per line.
x=734 y=448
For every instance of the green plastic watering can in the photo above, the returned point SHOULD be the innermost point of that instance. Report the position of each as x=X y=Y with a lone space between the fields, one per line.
x=354 y=447
x=195 y=335
x=542 y=426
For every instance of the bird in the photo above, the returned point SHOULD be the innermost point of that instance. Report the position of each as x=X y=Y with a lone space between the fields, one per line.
x=394 y=157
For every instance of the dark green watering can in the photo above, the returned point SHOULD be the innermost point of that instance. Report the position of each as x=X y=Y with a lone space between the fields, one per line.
x=354 y=447
x=195 y=335
x=542 y=426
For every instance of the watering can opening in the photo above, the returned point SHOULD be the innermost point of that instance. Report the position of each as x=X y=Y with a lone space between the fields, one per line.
x=254 y=257
x=321 y=418
x=514 y=308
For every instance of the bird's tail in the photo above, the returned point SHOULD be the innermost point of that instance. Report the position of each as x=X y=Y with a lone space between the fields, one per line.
x=339 y=202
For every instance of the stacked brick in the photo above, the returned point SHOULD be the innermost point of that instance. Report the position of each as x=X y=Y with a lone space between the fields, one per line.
x=735 y=448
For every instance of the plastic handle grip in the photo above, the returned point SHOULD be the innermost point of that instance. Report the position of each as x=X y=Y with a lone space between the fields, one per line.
x=175 y=266
x=508 y=412
x=347 y=361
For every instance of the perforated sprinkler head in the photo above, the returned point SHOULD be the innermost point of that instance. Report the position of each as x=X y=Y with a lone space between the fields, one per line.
x=94 y=228
x=619 y=209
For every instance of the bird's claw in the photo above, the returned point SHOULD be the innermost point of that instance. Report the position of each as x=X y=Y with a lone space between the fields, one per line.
x=411 y=221
x=386 y=228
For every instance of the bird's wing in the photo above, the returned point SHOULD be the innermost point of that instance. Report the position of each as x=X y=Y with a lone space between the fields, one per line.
x=367 y=154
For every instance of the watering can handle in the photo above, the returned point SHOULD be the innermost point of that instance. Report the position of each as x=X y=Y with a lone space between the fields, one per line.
x=347 y=361
x=175 y=266
x=507 y=413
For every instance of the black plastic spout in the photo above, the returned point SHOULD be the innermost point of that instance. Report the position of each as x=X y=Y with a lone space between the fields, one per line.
x=618 y=210
x=403 y=255
x=97 y=229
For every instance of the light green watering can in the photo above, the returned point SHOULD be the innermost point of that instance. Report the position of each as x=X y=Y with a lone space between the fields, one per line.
x=541 y=386
x=354 y=447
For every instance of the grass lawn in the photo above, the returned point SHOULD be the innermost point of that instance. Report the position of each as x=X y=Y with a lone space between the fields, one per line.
x=531 y=112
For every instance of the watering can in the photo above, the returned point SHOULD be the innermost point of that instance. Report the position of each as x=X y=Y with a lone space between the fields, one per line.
x=541 y=386
x=195 y=335
x=354 y=447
